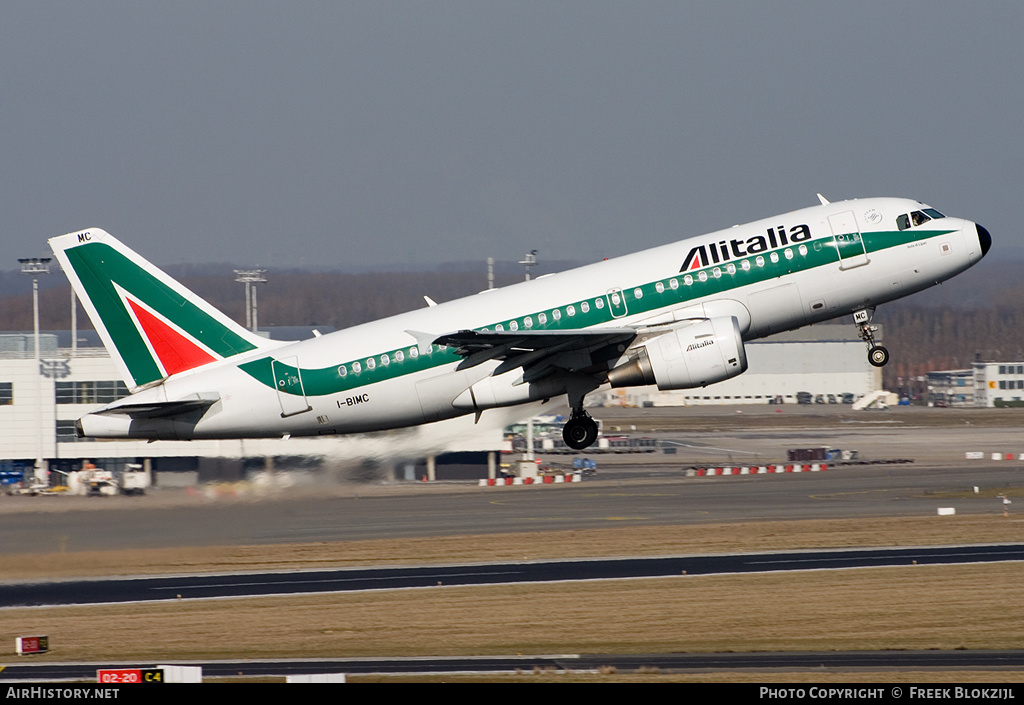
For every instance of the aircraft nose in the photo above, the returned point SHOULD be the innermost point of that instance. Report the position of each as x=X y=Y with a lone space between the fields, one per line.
x=984 y=238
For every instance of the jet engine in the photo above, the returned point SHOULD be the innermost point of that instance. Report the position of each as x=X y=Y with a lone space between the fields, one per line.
x=694 y=355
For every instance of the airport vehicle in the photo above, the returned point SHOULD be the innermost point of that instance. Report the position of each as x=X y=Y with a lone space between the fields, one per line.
x=94 y=481
x=676 y=316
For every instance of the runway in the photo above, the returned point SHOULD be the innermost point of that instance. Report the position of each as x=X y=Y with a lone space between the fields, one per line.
x=77 y=592
x=871 y=661
x=643 y=491
x=642 y=496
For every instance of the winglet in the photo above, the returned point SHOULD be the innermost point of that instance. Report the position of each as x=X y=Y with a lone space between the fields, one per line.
x=424 y=341
x=824 y=201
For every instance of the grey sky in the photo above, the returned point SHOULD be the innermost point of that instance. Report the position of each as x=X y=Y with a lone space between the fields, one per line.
x=347 y=134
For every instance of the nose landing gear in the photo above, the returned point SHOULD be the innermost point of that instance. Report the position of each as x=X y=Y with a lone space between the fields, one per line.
x=877 y=355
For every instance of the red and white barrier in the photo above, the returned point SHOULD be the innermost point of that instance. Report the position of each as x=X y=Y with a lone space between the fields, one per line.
x=546 y=480
x=755 y=470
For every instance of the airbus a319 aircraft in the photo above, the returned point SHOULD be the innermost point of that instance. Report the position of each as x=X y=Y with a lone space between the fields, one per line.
x=675 y=316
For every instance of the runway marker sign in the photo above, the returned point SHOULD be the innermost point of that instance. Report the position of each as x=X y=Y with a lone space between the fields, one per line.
x=130 y=675
x=32 y=645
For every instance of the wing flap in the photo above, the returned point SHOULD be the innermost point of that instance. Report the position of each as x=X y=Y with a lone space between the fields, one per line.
x=529 y=349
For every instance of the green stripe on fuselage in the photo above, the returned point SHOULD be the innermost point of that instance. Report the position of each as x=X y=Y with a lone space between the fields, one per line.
x=820 y=252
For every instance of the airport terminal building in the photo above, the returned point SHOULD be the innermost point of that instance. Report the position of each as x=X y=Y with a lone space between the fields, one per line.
x=998 y=383
x=39 y=405
x=984 y=384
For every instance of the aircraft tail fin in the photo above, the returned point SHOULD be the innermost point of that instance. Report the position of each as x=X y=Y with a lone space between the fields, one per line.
x=151 y=324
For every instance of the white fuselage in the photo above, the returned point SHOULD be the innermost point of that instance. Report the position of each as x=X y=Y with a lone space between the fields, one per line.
x=773 y=275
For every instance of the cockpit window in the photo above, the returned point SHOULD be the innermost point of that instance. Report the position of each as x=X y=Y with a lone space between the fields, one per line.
x=917 y=218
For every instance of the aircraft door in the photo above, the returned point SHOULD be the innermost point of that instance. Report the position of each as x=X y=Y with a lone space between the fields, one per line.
x=290 y=393
x=849 y=243
x=616 y=303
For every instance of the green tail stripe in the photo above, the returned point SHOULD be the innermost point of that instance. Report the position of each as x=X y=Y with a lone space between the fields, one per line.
x=100 y=266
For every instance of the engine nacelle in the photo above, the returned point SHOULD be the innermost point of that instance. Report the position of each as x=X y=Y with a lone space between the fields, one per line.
x=695 y=355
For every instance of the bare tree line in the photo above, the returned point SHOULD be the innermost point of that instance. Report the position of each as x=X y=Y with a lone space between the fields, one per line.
x=287 y=299
x=920 y=337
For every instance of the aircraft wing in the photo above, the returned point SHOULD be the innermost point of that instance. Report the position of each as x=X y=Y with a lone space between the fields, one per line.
x=537 y=352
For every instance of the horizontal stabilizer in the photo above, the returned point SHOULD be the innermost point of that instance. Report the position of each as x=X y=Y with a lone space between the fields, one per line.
x=163 y=409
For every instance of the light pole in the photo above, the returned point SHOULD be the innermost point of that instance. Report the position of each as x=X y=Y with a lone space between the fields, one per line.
x=250 y=277
x=529 y=261
x=36 y=266
x=74 y=323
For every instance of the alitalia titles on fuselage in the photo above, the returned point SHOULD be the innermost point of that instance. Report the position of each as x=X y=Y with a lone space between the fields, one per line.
x=725 y=250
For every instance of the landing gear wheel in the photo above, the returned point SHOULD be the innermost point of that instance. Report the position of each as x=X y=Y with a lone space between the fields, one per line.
x=579 y=432
x=878 y=356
